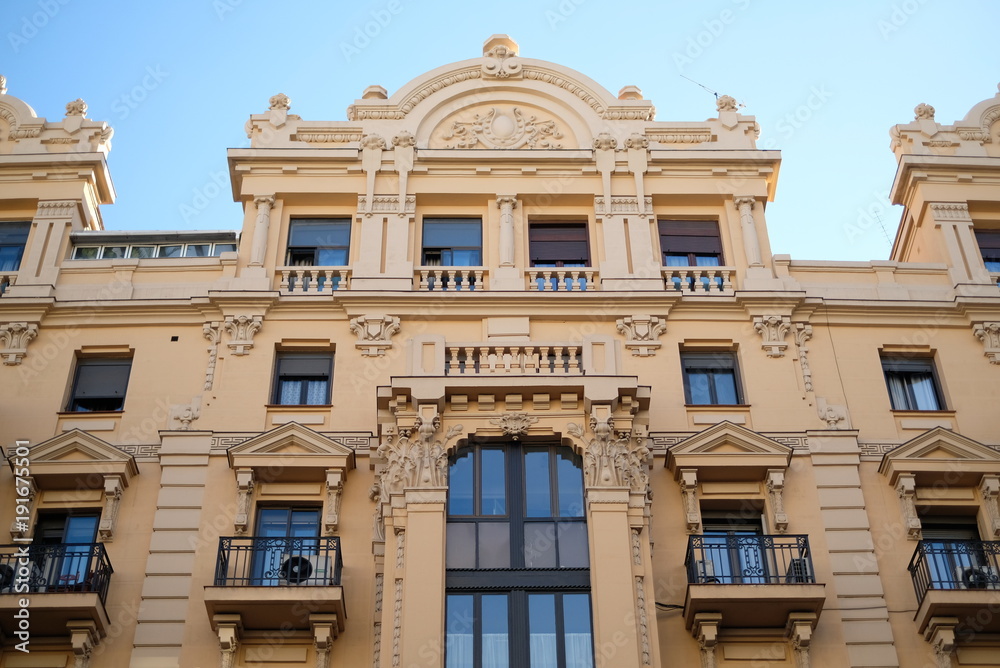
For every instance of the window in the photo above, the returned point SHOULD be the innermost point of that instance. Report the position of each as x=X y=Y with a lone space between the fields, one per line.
x=100 y=384
x=558 y=245
x=517 y=559
x=711 y=378
x=953 y=553
x=731 y=549
x=292 y=555
x=66 y=564
x=13 y=236
x=303 y=379
x=319 y=242
x=690 y=243
x=912 y=383
x=452 y=242
x=149 y=251
x=989 y=246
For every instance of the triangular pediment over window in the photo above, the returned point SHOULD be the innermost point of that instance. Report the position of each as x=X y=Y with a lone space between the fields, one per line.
x=941 y=455
x=729 y=452
x=78 y=460
x=290 y=453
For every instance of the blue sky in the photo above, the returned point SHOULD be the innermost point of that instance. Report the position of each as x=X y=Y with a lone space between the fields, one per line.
x=826 y=81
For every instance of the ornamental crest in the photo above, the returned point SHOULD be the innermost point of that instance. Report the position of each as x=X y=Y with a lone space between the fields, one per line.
x=500 y=129
x=514 y=424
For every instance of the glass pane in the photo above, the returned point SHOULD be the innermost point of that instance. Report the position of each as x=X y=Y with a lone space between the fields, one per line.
x=460 y=545
x=170 y=251
x=573 y=545
x=494 y=545
x=576 y=627
x=725 y=387
x=224 y=248
x=102 y=378
x=496 y=653
x=707 y=260
x=81 y=529
x=332 y=257
x=113 y=252
x=198 y=250
x=86 y=253
x=463 y=257
x=698 y=389
x=570 y=477
x=459 y=628
x=304 y=524
x=676 y=260
x=316 y=392
x=493 y=472
x=273 y=522
x=542 y=630
x=451 y=233
x=540 y=545
x=924 y=396
x=290 y=392
x=143 y=252
x=320 y=233
x=538 y=496
x=460 y=485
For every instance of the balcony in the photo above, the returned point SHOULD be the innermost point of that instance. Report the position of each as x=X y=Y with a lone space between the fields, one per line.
x=532 y=359
x=66 y=582
x=957 y=578
x=752 y=581
x=583 y=279
x=699 y=280
x=272 y=583
x=450 y=279
x=313 y=280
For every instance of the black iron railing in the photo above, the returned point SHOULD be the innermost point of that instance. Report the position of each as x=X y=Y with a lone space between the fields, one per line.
x=955 y=564
x=735 y=559
x=278 y=562
x=39 y=569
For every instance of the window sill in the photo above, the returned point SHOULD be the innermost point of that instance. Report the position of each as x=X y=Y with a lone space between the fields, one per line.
x=701 y=416
x=88 y=420
x=908 y=421
x=314 y=416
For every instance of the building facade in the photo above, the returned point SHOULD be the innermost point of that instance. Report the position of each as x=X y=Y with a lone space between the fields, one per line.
x=498 y=371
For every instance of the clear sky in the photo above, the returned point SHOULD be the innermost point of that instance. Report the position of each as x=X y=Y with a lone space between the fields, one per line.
x=178 y=80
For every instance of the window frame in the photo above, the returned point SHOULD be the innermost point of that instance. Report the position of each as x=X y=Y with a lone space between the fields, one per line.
x=911 y=365
x=12 y=229
x=692 y=239
x=83 y=363
x=305 y=222
x=441 y=250
x=128 y=251
x=690 y=356
x=282 y=355
x=989 y=248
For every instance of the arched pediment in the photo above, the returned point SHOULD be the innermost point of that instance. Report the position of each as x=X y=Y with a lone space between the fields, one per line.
x=941 y=455
x=18 y=114
x=291 y=452
x=78 y=460
x=727 y=451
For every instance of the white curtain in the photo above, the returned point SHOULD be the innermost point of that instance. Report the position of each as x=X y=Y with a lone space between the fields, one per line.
x=459 y=650
x=579 y=650
x=543 y=650
x=496 y=653
x=923 y=392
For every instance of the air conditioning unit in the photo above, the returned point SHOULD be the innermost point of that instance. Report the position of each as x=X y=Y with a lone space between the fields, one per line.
x=306 y=570
x=798 y=571
x=976 y=577
x=705 y=572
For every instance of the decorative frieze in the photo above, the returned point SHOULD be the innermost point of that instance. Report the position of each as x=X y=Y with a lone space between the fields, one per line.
x=328 y=136
x=500 y=129
x=989 y=334
x=56 y=208
x=514 y=424
x=374 y=333
x=386 y=204
x=680 y=135
x=641 y=332
x=622 y=206
x=15 y=337
x=772 y=330
x=241 y=331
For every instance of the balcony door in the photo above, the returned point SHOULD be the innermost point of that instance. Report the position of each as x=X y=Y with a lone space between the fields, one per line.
x=733 y=552
x=69 y=541
x=286 y=546
x=953 y=560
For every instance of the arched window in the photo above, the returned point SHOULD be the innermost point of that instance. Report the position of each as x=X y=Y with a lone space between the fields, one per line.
x=518 y=566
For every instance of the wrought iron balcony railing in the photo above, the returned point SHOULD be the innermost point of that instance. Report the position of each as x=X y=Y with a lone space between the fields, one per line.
x=70 y=567
x=749 y=559
x=955 y=564
x=278 y=562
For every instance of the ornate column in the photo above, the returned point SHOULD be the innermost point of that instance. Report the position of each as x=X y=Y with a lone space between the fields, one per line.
x=906 y=487
x=241 y=331
x=113 y=486
x=244 y=495
x=260 y=229
x=751 y=243
x=775 y=490
x=507 y=203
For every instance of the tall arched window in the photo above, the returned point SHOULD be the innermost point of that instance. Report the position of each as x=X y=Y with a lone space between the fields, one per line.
x=518 y=567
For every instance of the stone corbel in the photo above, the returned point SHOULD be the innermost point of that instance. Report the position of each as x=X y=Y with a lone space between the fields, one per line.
x=241 y=332
x=706 y=630
x=84 y=638
x=641 y=332
x=604 y=154
x=371 y=162
x=404 y=146
x=15 y=337
x=19 y=528
x=112 y=499
x=334 y=488
x=940 y=633
x=772 y=329
x=375 y=333
x=689 y=489
x=775 y=489
x=324 y=629
x=244 y=494
x=637 y=146
x=260 y=230
x=987 y=332
x=799 y=630
x=906 y=488
x=990 y=489
x=230 y=630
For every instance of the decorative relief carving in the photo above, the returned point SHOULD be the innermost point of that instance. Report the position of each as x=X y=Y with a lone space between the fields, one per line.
x=329 y=137
x=375 y=333
x=501 y=62
x=404 y=139
x=751 y=242
x=689 y=490
x=15 y=337
x=261 y=224
x=613 y=459
x=622 y=205
x=334 y=495
x=804 y=332
x=244 y=496
x=182 y=415
x=706 y=630
x=280 y=102
x=421 y=461
x=636 y=547
x=76 y=108
x=373 y=142
x=378 y=519
x=680 y=135
x=950 y=211
x=989 y=487
x=775 y=489
x=987 y=332
x=772 y=329
x=800 y=633
x=56 y=208
x=641 y=332
x=923 y=112
x=637 y=141
x=241 y=331
x=112 y=499
x=605 y=142
x=386 y=204
x=372 y=146
x=498 y=129
x=834 y=416
x=506 y=204
x=640 y=605
x=212 y=332
x=725 y=103
x=3 y=85
x=514 y=424
x=906 y=487
x=229 y=643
